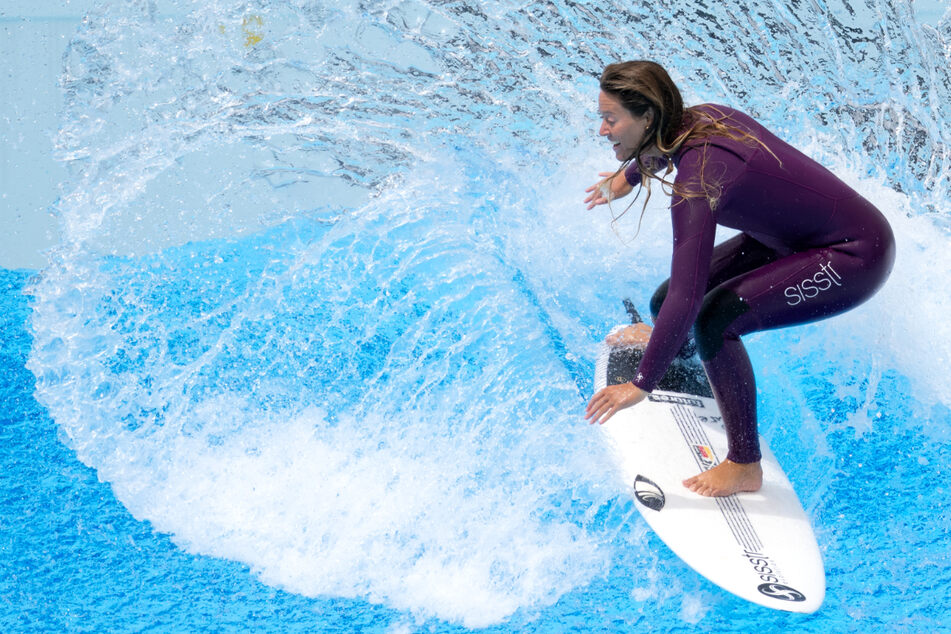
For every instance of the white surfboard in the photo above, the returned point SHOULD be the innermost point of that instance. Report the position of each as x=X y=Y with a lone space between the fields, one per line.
x=759 y=546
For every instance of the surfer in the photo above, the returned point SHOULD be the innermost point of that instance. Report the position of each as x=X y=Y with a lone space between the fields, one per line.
x=809 y=246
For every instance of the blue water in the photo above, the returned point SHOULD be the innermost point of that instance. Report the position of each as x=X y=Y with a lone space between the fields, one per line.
x=312 y=351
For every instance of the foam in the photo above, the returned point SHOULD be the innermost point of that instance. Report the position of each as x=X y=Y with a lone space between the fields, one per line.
x=413 y=517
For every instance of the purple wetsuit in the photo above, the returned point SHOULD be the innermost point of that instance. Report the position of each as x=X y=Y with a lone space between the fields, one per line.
x=810 y=247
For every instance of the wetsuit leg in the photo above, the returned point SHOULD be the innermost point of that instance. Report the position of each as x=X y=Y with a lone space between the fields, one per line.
x=730 y=258
x=795 y=289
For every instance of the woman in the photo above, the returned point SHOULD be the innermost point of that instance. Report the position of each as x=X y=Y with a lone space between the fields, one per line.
x=810 y=247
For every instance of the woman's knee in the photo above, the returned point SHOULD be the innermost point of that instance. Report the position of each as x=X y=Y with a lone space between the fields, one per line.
x=721 y=307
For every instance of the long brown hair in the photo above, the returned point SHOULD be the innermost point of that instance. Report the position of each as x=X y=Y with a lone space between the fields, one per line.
x=643 y=86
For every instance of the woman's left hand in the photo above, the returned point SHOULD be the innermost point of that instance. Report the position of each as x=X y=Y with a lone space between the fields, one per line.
x=608 y=401
x=613 y=185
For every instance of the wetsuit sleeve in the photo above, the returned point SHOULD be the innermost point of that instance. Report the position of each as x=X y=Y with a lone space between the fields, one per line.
x=633 y=173
x=694 y=231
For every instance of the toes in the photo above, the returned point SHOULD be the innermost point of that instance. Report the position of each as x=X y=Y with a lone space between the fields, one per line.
x=699 y=485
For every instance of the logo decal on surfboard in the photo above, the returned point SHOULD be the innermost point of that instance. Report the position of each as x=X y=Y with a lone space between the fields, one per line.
x=781 y=592
x=675 y=399
x=705 y=456
x=648 y=493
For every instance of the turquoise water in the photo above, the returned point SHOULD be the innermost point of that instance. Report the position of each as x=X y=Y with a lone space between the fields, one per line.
x=312 y=351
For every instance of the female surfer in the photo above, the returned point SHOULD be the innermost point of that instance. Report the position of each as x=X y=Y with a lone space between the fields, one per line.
x=809 y=246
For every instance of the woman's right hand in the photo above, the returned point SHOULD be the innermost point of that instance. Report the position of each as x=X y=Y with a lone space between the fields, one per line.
x=612 y=185
x=609 y=400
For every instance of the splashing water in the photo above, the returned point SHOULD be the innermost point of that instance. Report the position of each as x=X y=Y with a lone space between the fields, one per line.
x=326 y=297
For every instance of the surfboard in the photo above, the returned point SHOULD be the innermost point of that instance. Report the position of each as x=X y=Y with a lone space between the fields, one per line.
x=759 y=546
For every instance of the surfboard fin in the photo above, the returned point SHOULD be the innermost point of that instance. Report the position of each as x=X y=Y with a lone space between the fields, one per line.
x=629 y=307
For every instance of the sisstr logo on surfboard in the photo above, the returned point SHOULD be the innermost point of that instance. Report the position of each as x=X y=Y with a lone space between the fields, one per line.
x=774 y=585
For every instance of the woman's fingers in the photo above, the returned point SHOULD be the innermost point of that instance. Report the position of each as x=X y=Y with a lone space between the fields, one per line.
x=597 y=193
x=601 y=407
x=609 y=400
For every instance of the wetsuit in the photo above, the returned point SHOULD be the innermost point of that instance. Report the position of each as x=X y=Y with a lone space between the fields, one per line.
x=810 y=247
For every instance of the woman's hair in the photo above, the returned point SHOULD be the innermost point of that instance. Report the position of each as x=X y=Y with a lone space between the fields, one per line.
x=644 y=86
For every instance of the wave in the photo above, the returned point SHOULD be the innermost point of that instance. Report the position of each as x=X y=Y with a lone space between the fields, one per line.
x=326 y=298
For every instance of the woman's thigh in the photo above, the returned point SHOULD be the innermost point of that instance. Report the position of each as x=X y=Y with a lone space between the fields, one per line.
x=796 y=289
x=736 y=256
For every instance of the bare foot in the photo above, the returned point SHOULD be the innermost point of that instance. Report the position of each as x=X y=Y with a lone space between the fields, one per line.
x=727 y=478
x=636 y=335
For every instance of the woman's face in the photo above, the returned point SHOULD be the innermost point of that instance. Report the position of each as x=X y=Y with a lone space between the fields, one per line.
x=623 y=129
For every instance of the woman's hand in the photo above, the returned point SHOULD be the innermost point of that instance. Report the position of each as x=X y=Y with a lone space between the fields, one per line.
x=611 y=186
x=608 y=401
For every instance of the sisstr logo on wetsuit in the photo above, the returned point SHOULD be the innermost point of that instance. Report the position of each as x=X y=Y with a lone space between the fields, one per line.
x=824 y=279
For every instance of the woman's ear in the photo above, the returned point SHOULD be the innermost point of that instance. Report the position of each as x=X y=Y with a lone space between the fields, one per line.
x=653 y=119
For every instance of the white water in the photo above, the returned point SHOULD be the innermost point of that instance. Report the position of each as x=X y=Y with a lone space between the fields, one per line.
x=326 y=299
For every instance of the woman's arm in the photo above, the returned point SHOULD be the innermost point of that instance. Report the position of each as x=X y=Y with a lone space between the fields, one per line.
x=694 y=231
x=690 y=270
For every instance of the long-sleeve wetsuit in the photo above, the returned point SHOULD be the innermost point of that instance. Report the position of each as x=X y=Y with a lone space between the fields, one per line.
x=809 y=247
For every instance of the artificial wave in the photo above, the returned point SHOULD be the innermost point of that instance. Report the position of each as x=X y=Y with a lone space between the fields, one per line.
x=326 y=299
